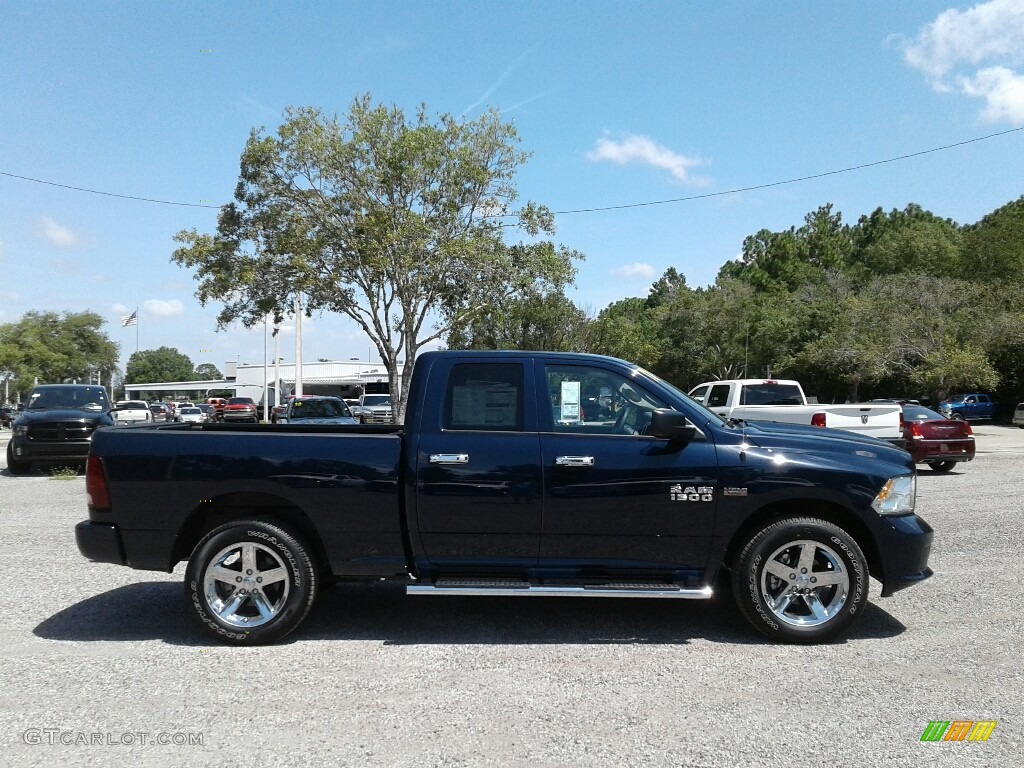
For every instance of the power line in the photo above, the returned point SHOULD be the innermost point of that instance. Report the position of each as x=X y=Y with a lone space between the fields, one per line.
x=688 y=198
x=795 y=180
x=107 y=194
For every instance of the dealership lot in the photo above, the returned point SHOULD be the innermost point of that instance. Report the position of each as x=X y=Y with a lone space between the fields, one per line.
x=99 y=665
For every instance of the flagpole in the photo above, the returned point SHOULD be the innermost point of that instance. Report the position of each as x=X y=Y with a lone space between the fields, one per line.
x=136 y=329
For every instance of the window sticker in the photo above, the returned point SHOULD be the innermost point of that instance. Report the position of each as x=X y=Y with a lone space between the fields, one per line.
x=483 y=406
x=570 y=401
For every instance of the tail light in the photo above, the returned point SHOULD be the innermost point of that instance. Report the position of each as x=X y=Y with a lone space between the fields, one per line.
x=818 y=420
x=96 y=483
x=968 y=428
x=915 y=431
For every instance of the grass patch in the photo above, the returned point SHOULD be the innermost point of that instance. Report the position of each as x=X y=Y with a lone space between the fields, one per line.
x=63 y=473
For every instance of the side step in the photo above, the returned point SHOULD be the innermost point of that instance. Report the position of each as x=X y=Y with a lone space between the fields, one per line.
x=513 y=588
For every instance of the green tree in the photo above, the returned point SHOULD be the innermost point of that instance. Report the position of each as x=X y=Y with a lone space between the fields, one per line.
x=150 y=366
x=398 y=223
x=55 y=348
x=206 y=372
x=909 y=241
x=543 y=321
x=626 y=329
x=954 y=367
x=994 y=247
x=792 y=259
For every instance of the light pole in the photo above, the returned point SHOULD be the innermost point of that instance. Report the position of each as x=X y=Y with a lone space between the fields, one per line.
x=298 y=345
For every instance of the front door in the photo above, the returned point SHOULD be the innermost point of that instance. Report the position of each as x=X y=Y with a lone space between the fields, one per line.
x=617 y=503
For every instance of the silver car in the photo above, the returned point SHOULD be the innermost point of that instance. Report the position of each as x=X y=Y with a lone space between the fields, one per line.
x=191 y=415
x=1018 y=415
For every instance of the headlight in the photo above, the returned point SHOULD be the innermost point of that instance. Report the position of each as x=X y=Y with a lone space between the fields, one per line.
x=897 y=496
x=21 y=430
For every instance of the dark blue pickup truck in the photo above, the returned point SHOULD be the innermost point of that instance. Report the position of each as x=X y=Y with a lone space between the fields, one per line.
x=515 y=474
x=969 y=407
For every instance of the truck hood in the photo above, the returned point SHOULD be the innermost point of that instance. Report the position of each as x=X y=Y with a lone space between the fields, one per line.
x=325 y=420
x=62 y=414
x=798 y=438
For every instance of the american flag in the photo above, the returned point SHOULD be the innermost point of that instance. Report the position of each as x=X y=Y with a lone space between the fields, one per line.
x=131 y=319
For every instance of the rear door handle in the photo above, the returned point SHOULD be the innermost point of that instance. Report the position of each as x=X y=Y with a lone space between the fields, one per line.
x=574 y=461
x=449 y=458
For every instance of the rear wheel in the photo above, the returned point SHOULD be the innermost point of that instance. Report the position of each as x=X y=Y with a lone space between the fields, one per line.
x=14 y=466
x=250 y=582
x=941 y=466
x=800 y=580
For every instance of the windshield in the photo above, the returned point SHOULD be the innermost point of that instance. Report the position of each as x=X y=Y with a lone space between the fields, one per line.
x=376 y=399
x=920 y=413
x=711 y=415
x=74 y=397
x=319 y=409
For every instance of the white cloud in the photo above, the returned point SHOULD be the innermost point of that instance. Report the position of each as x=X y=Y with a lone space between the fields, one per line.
x=160 y=308
x=637 y=269
x=119 y=309
x=950 y=49
x=56 y=234
x=1003 y=92
x=641 y=149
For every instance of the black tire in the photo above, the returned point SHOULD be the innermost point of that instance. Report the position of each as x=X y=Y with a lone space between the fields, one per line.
x=774 y=577
x=14 y=466
x=958 y=417
x=941 y=466
x=249 y=611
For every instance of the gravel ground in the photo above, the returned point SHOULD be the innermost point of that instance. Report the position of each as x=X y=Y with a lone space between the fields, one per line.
x=99 y=662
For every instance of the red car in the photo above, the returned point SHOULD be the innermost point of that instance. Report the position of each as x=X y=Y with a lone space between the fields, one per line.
x=240 y=409
x=934 y=440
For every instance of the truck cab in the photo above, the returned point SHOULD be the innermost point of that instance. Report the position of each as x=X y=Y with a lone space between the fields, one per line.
x=968 y=407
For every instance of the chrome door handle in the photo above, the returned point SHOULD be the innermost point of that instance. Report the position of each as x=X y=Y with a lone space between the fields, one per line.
x=574 y=461
x=449 y=458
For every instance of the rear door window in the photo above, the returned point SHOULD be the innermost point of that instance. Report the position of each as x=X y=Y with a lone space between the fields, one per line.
x=485 y=396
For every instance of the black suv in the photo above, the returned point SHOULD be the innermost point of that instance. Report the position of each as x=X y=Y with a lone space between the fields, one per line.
x=57 y=425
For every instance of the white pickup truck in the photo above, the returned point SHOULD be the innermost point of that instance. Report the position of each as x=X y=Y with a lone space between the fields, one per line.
x=783 y=400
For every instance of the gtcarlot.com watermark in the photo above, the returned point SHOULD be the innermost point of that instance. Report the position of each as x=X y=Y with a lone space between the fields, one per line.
x=54 y=736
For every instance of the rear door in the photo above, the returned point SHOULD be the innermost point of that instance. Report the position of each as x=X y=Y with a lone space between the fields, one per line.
x=478 y=492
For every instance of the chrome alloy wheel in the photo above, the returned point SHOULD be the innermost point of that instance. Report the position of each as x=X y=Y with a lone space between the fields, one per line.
x=805 y=583
x=246 y=584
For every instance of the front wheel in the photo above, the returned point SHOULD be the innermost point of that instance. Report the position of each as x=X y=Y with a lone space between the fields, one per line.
x=942 y=466
x=958 y=417
x=14 y=466
x=800 y=580
x=250 y=582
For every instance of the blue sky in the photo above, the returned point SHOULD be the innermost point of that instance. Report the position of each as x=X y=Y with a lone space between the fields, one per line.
x=618 y=102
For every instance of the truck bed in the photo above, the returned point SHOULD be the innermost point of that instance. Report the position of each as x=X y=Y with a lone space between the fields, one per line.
x=344 y=480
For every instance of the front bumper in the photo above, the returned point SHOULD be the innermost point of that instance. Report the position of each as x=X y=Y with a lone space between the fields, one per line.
x=904 y=543
x=239 y=416
x=28 y=449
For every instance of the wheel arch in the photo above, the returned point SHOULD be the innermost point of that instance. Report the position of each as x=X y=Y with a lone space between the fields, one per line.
x=246 y=505
x=823 y=510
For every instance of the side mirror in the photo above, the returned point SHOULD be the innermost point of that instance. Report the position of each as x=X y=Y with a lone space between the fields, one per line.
x=669 y=424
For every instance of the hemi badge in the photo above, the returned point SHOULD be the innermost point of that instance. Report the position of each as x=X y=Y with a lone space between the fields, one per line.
x=734 y=491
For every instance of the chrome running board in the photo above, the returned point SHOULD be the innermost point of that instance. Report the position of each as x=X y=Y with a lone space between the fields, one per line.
x=512 y=588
